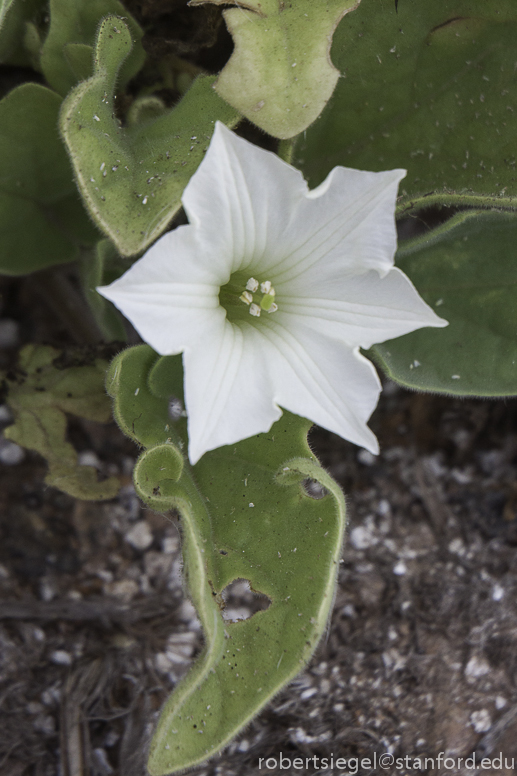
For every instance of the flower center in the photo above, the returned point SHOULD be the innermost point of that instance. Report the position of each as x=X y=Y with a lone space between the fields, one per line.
x=247 y=296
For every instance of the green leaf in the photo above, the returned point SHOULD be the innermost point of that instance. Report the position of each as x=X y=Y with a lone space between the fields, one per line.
x=467 y=272
x=14 y=17
x=132 y=178
x=280 y=75
x=67 y=54
x=39 y=395
x=245 y=514
x=430 y=89
x=42 y=221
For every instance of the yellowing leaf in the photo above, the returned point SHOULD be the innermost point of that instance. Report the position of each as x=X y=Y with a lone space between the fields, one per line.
x=280 y=75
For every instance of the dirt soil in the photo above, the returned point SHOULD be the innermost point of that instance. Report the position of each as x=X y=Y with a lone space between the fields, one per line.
x=420 y=653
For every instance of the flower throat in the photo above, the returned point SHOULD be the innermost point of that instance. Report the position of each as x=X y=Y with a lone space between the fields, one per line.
x=250 y=297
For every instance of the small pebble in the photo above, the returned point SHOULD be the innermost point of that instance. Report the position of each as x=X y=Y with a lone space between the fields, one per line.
x=400 y=568
x=170 y=544
x=362 y=537
x=11 y=454
x=140 y=536
x=497 y=593
x=125 y=589
x=88 y=458
x=481 y=721
x=477 y=667
x=61 y=658
x=366 y=458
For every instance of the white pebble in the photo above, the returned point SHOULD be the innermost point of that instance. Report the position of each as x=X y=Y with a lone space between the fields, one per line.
x=477 y=667
x=11 y=454
x=362 y=537
x=88 y=458
x=140 y=536
x=481 y=720
x=170 y=545
x=497 y=593
x=400 y=568
x=366 y=458
x=61 y=658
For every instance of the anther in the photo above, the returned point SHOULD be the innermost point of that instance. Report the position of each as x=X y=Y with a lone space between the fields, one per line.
x=246 y=297
x=252 y=285
x=255 y=310
x=265 y=287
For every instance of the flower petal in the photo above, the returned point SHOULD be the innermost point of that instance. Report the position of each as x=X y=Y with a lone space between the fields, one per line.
x=359 y=310
x=171 y=295
x=228 y=392
x=325 y=381
x=259 y=209
x=347 y=222
x=241 y=198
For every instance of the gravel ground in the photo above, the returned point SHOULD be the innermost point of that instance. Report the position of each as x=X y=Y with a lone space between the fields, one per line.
x=419 y=657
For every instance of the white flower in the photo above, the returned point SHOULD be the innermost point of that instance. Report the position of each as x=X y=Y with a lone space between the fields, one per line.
x=269 y=293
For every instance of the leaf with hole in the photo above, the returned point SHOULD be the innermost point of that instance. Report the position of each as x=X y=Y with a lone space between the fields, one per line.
x=245 y=515
x=432 y=89
x=132 y=178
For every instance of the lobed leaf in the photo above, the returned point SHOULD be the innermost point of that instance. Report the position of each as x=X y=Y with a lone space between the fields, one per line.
x=466 y=271
x=431 y=89
x=245 y=514
x=132 y=178
x=280 y=75
x=67 y=55
x=42 y=221
x=39 y=395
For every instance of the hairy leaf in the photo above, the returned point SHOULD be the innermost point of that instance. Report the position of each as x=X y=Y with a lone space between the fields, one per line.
x=245 y=514
x=67 y=55
x=280 y=75
x=132 y=178
x=431 y=89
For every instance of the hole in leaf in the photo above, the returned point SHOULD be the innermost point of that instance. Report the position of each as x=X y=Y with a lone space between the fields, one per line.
x=241 y=602
x=314 y=489
x=176 y=409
